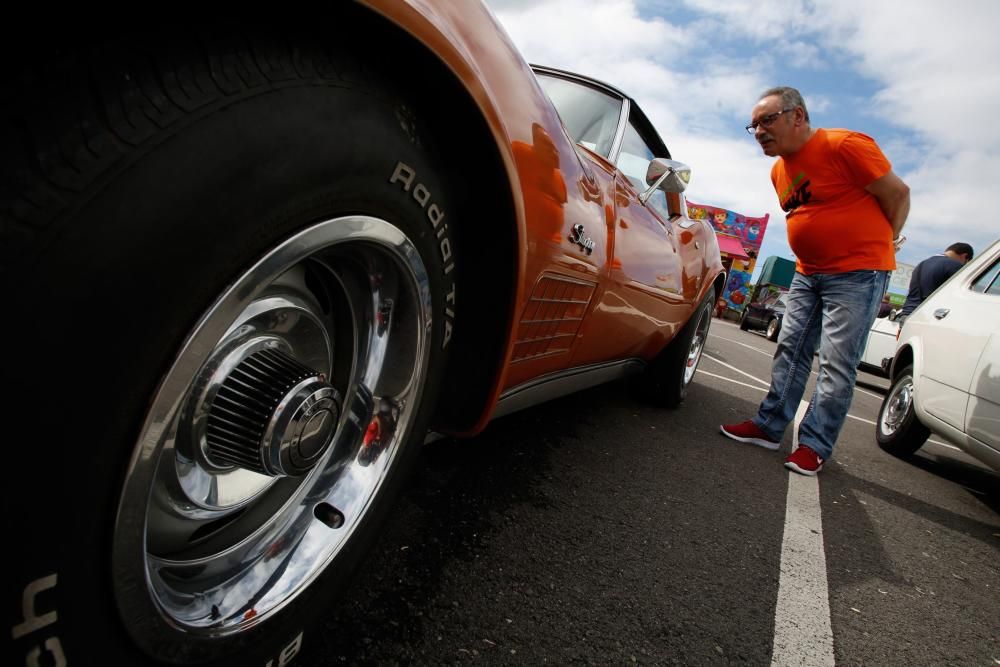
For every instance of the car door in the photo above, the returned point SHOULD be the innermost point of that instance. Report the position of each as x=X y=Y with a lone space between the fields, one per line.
x=881 y=343
x=956 y=324
x=647 y=269
x=754 y=310
x=982 y=417
x=640 y=302
x=761 y=312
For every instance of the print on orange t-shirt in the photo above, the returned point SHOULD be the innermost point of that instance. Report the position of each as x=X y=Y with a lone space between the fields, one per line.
x=834 y=224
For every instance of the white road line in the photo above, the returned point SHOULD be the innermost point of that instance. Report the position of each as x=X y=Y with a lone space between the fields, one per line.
x=802 y=630
x=867 y=421
x=723 y=377
x=803 y=634
x=868 y=393
x=733 y=368
x=730 y=340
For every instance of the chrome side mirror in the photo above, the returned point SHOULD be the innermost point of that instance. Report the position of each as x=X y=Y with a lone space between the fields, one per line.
x=666 y=175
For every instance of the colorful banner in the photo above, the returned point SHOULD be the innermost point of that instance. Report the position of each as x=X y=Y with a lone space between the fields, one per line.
x=747 y=233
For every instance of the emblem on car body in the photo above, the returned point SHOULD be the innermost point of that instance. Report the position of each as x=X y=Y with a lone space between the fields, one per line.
x=585 y=242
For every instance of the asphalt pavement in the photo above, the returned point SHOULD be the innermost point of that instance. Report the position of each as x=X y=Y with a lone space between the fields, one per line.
x=597 y=529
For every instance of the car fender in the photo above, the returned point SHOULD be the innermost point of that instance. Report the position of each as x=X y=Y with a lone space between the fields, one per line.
x=714 y=274
x=910 y=352
x=470 y=42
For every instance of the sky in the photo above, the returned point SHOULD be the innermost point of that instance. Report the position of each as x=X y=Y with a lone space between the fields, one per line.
x=922 y=77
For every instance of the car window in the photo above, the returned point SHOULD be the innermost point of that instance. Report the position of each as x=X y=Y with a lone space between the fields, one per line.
x=633 y=161
x=589 y=115
x=771 y=299
x=988 y=282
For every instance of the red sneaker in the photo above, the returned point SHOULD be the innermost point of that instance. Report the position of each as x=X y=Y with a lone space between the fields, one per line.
x=804 y=461
x=748 y=432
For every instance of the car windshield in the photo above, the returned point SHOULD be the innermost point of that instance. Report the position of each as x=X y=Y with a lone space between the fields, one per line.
x=589 y=115
x=770 y=300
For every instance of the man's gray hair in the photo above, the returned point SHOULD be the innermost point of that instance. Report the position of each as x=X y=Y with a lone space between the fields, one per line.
x=790 y=98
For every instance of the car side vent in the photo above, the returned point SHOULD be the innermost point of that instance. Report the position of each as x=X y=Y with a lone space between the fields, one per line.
x=552 y=317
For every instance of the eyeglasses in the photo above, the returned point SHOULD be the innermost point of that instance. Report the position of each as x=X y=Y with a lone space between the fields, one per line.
x=767 y=121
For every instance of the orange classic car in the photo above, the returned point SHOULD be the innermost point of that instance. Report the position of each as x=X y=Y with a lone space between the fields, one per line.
x=250 y=268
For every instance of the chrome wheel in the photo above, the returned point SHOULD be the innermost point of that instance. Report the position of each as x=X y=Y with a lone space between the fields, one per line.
x=697 y=345
x=273 y=431
x=898 y=404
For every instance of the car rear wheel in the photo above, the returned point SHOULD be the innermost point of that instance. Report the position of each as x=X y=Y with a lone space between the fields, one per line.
x=247 y=304
x=898 y=430
x=667 y=378
x=773 y=328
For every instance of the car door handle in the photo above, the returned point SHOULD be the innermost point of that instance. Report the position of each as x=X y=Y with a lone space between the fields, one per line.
x=941 y=313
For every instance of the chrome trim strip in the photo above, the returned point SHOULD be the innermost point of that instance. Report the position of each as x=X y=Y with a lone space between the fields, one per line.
x=616 y=145
x=579 y=78
x=562 y=383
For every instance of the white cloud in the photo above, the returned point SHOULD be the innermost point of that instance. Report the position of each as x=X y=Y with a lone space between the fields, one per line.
x=552 y=32
x=650 y=59
x=937 y=63
x=940 y=196
x=760 y=20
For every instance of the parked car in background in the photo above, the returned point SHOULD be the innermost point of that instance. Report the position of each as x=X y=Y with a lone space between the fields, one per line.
x=766 y=314
x=880 y=345
x=249 y=268
x=946 y=368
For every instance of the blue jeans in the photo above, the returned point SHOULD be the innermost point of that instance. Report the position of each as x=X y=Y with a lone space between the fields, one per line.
x=832 y=311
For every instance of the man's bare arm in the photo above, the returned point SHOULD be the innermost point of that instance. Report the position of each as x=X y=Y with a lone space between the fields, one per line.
x=893 y=196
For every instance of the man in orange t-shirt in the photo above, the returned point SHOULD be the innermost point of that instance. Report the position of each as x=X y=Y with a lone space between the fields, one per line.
x=845 y=211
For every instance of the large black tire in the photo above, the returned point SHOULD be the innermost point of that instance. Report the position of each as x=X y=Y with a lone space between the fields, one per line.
x=898 y=430
x=744 y=325
x=666 y=379
x=773 y=328
x=153 y=190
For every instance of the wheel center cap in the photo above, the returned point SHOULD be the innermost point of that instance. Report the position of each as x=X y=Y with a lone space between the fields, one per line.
x=302 y=430
x=272 y=415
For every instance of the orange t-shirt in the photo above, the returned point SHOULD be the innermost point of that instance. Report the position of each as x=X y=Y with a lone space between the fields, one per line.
x=834 y=224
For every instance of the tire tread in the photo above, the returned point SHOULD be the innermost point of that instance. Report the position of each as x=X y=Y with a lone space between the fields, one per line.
x=85 y=114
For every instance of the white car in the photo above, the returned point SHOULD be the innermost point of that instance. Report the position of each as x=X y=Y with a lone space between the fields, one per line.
x=881 y=346
x=946 y=369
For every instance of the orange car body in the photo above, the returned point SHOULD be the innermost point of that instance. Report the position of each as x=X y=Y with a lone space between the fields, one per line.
x=263 y=262
x=616 y=297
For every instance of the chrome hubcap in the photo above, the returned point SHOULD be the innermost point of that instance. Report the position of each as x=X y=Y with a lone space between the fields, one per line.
x=897 y=407
x=697 y=346
x=273 y=432
x=271 y=415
